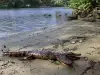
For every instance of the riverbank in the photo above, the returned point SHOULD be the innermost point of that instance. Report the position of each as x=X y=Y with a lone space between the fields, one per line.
x=75 y=36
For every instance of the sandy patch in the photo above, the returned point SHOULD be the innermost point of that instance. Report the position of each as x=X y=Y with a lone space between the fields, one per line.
x=62 y=38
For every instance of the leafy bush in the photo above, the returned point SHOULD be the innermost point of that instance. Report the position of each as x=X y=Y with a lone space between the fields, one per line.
x=31 y=3
x=59 y=2
x=80 y=4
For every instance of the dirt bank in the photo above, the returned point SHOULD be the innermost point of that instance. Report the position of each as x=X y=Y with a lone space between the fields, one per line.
x=76 y=36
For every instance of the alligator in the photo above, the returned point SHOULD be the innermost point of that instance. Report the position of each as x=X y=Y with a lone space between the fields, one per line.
x=66 y=58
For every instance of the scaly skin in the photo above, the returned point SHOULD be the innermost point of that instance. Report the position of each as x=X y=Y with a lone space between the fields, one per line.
x=66 y=58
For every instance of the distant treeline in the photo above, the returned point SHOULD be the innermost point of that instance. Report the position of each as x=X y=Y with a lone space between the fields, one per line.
x=75 y=4
x=31 y=3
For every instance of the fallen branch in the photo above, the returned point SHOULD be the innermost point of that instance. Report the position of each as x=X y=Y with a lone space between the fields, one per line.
x=66 y=58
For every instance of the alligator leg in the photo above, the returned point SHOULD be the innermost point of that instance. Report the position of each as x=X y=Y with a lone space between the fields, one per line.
x=30 y=57
x=63 y=59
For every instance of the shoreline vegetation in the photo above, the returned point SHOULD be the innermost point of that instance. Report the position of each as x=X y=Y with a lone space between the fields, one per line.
x=87 y=10
x=9 y=4
x=75 y=4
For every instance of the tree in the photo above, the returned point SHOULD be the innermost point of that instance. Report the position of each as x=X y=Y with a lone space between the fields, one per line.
x=83 y=4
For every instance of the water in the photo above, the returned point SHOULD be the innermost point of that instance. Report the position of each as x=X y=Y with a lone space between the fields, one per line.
x=21 y=20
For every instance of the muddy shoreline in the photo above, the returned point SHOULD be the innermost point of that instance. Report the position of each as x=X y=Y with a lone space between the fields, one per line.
x=75 y=36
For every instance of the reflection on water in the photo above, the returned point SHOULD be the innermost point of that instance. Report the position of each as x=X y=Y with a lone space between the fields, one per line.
x=19 y=20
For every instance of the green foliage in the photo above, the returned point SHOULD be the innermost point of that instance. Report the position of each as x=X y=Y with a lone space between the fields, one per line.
x=83 y=4
x=31 y=3
x=98 y=1
x=76 y=4
x=59 y=2
x=80 y=4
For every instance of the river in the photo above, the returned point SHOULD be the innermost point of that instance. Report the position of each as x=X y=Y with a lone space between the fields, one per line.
x=14 y=21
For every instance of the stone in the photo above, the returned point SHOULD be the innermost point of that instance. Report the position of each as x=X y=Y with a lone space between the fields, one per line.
x=72 y=18
x=89 y=19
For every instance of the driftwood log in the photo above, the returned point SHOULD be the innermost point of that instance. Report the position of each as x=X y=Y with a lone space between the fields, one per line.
x=66 y=58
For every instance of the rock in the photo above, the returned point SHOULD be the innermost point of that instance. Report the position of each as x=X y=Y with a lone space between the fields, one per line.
x=96 y=12
x=72 y=18
x=90 y=15
x=89 y=19
x=83 y=14
x=93 y=15
x=97 y=20
x=73 y=41
x=80 y=41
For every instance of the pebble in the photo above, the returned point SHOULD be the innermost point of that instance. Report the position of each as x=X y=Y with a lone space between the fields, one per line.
x=80 y=41
x=72 y=42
